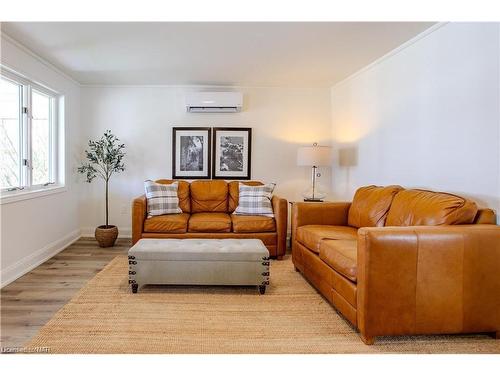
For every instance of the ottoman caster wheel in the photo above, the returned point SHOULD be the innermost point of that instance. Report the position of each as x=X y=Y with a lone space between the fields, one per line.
x=262 y=289
x=134 y=288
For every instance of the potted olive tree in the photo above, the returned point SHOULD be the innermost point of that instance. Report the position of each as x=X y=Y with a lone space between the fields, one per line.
x=105 y=157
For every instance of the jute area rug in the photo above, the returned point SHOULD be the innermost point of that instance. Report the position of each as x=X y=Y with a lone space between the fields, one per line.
x=105 y=317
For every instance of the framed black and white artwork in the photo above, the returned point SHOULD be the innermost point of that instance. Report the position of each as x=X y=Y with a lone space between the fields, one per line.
x=191 y=151
x=232 y=153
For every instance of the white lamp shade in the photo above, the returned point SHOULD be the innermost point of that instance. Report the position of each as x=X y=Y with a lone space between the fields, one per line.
x=314 y=156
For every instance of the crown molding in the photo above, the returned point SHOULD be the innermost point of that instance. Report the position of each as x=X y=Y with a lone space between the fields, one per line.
x=37 y=57
x=57 y=70
x=201 y=86
x=394 y=52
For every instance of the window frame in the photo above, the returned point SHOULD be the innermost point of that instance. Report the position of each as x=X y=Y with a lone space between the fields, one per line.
x=26 y=188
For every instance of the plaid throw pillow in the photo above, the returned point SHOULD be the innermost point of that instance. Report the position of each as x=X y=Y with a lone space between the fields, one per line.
x=162 y=199
x=255 y=200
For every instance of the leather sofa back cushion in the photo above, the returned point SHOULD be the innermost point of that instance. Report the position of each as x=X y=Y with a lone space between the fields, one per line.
x=182 y=194
x=422 y=207
x=370 y=205
x=234 y=192
x=209 y=196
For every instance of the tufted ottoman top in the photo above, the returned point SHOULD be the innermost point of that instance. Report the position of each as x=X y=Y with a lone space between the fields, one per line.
x=242 y=250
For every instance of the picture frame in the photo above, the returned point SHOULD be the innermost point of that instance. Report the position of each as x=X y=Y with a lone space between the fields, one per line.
x=191 y=152
x=232 y=153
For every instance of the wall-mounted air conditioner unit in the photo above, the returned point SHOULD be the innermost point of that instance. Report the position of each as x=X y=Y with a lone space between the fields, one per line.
x=218 y=102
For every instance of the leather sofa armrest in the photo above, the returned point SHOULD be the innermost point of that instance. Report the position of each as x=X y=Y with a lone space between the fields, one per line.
x=139 y=211
x=421 y=279
x=280 y=209
x=322 y=213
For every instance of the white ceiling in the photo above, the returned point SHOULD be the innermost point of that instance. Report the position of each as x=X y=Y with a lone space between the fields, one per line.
x=240 y=54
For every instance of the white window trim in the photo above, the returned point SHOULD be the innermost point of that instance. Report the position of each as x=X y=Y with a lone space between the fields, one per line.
x=21 y=195
x=57 y=174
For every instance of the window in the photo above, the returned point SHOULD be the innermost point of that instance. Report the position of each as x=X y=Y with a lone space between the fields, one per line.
x=28 y=139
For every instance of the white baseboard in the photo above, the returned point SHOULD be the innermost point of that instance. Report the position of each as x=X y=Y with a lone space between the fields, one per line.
x=122 y=232
x=26 y=264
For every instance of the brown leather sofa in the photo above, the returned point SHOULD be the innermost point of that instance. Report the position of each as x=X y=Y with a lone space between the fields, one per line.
x=402 y=262
x=207 y=213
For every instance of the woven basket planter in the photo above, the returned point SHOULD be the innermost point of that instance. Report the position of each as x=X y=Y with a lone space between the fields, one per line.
x=106 y=235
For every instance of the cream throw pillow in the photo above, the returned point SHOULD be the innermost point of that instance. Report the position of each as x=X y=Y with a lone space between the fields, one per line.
x=162 y=199
x=255 y=200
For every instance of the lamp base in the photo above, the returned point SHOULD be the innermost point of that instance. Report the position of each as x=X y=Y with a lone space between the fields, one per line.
x=314 y=194
x=313 y=200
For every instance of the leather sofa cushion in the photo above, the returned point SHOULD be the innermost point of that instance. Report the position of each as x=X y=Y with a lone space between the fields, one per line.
x=342 y=256
x=370 y=205
x=209 y=196
x=422 y=207
x=209 y=222
x=182 y=193
x=253 y=224
x=174 y=223
x=234 y=192
x=312 y=235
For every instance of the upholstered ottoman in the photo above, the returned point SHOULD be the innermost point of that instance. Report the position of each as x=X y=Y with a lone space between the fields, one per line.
x=199 y=262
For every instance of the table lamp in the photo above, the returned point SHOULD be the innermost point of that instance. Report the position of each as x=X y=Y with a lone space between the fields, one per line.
x=314 y=156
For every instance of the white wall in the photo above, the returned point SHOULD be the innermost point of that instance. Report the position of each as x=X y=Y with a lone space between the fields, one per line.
x=35 y=229
x=143 y=117
x=426 y=116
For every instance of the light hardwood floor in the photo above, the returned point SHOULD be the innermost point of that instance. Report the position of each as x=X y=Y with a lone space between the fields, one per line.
x=30 y=301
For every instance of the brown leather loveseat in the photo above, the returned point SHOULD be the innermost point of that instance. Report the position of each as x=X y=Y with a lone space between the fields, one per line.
x=402 y=262
x=207 y=207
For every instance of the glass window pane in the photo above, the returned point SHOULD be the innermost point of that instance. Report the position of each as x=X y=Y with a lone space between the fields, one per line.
x=10 y=132
x=40 y=137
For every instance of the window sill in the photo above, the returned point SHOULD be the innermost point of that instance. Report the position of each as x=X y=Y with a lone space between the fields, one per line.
x=16 y=196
